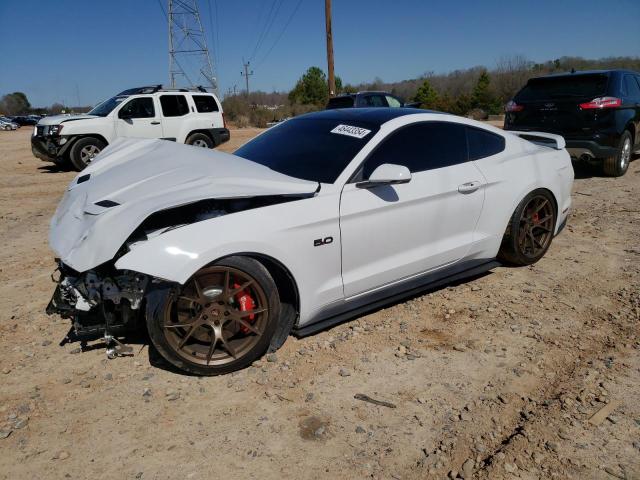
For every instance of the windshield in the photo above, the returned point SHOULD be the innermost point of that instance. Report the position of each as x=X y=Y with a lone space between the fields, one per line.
x=103 y=109
x=309 y=148
x=579 y=86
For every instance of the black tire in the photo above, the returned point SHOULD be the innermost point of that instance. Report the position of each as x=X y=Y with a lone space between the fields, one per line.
x=162 y=304
x=200 y=140
x=617 y=165
x=514 y=249
x=84 y=150
x=63 y=163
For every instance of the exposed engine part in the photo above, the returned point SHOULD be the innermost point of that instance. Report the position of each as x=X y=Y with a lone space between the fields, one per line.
x=99 y=302
x=115 y=348
x=89 y=290
x=176 y=217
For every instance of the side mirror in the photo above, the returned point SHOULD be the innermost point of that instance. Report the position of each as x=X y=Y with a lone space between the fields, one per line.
x=125 y=115
x=387 y=174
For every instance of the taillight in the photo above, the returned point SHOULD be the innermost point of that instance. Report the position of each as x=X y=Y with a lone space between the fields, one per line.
x=224 y=121
x=513 y=107
x=601 y=102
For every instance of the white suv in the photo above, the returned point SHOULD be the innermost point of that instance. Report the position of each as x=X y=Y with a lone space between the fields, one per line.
x=184 y=116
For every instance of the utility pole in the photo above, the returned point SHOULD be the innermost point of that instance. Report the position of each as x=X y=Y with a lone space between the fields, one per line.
x=246 y=74
x=332 y=78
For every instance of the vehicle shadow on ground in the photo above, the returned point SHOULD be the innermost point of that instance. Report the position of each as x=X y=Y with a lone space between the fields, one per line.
x=140 y=339
x=53 y=168
x=411 y=296
x=584 y=170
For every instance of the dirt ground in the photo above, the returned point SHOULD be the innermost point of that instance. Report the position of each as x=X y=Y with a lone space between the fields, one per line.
x=521 y=373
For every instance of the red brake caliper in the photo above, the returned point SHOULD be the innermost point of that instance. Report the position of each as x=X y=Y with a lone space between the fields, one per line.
x=246 y=303
x=536 y=218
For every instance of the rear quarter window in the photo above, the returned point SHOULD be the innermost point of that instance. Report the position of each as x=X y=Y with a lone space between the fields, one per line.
x=205 y=103
x=482 y=143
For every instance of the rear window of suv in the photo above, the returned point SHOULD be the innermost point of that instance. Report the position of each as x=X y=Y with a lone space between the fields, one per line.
x=205 y=103
x=340 y=102
x=578 y=86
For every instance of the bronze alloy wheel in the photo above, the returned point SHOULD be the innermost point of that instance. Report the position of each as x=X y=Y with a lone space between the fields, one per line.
x=536 y=226
x=530 y=229
x=218 y=317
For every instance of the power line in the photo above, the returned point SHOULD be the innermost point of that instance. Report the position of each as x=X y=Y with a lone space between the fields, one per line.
x=267 y=27
x=264 y=27
x=293 y=13
x=163 y=10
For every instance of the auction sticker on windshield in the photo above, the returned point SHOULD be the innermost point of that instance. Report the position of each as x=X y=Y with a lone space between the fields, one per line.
x=351 y=131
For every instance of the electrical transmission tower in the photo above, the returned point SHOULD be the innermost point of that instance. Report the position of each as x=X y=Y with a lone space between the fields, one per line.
x=189 y=60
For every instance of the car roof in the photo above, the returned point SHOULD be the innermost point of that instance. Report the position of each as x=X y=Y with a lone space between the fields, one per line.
x=586 y=72
x=362 y=92
x=374 y=116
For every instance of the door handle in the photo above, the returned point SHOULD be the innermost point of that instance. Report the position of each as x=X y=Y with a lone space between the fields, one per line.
x=155 y=123
x=469 y=187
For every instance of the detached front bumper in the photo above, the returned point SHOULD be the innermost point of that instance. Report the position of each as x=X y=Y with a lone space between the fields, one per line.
x=49 y=149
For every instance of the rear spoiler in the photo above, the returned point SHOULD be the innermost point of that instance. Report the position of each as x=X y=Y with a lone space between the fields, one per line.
x=542 y=138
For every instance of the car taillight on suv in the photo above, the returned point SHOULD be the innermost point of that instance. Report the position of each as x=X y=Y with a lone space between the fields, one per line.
x=512 y=106
x=601 y=102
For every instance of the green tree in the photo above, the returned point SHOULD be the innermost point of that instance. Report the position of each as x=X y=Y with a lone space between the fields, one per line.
x=57 y=108
x=426 y=95
x=483 y=97
x=14 y=103
x=311 y=89
x=462 y=104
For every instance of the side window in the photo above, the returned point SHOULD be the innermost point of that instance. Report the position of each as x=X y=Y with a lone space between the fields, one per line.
x=420 y=147
x=174 y=105
x=205 y=103
x=138 y=108
x=393 y=101
x=632 y=89
x=483 y=144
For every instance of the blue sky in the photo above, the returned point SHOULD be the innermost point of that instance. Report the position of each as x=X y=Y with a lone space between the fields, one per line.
x=68 y=49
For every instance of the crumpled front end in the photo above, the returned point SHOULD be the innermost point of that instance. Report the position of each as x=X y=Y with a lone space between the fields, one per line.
x=134 y=191
x=133 y=179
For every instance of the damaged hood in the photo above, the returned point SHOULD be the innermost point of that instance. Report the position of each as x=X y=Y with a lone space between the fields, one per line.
x=131 y=179
x=57 y=119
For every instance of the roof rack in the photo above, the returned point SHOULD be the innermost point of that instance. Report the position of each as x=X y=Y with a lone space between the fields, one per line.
x=158 y=88
x=138 y=90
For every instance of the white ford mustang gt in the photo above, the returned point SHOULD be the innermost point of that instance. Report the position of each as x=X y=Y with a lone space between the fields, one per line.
x=310 y=223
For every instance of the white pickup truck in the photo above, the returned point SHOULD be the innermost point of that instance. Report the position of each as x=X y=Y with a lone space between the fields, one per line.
x=184 y=116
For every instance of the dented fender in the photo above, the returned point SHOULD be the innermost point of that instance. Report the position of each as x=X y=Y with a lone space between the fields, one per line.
x=284 y=232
